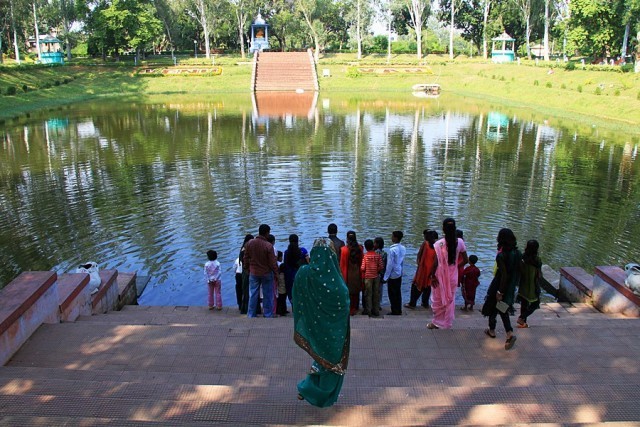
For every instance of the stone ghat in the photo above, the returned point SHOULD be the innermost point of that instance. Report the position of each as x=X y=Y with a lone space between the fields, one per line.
x=38 y=297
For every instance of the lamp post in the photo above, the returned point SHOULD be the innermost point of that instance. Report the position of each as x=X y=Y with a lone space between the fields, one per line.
x=195 y=48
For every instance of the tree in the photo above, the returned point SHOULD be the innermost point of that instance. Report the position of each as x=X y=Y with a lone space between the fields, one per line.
x=283 y=21
x=122 y=24
x=419 y=12
x=592 y=26
x=241 y=9
x=359 y=13
x=311 y=10
x=525 y=10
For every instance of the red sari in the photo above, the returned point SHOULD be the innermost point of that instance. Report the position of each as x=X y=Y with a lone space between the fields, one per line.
x=426 y=261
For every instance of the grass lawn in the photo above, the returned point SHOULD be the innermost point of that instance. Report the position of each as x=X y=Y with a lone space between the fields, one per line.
x=606 y=99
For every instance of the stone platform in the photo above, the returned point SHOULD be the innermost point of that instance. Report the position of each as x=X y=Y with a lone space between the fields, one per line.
x=187 y=366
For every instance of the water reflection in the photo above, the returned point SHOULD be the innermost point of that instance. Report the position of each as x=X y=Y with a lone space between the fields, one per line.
x=152 y=187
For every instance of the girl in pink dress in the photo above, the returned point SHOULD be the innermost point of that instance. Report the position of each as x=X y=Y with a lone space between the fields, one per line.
x=450 y=251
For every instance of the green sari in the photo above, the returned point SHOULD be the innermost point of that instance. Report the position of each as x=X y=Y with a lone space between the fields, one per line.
x=321 y=324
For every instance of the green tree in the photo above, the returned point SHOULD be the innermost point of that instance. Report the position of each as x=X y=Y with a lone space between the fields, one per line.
x=593 y=25
x=119 y=25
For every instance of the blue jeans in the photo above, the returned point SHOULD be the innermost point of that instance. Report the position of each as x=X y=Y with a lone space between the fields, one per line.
x=255 y=282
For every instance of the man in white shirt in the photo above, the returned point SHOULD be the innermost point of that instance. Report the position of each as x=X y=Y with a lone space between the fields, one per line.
x=393 y=274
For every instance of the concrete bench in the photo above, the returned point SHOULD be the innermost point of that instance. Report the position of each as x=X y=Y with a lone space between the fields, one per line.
x=30 y=300
x=106 y=299
x=74 y=296
x=575 y=285
x=611 y=295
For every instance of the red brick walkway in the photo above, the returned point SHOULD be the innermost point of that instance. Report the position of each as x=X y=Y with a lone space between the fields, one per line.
x=190 y=366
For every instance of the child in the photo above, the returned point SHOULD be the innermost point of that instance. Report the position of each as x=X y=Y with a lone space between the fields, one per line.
x=529 y=289
x=281 y=305
x=212 y=275
x=370 y=270
x=469 y=283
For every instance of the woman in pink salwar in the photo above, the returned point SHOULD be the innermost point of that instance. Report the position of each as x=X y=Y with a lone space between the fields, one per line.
x=449 y=252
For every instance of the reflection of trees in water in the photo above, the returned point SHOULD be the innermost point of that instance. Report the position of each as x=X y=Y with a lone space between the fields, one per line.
x=163 y=183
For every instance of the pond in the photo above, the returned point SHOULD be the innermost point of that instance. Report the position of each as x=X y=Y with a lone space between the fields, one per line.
x=150 y=187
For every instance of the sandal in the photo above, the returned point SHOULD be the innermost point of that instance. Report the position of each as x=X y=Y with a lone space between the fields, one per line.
x=432 y=326
x=488 y=333
x=508 y=345
x=300 y=397
x=412 y=307
x=523 y=325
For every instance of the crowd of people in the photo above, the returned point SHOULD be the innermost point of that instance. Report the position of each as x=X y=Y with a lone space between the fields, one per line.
x=328 y=285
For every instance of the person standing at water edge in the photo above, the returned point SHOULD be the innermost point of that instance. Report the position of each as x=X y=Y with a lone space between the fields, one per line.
x=421 y=285
x=371 y=268
x=244 y=306
x=393 y=273
x=350 y=263
x=338 y=243
x=321 y=325
x=529 y=289
x=260 y=259
x=470 y=283
x=213 y=273
x=501 y=292
x=449 y=252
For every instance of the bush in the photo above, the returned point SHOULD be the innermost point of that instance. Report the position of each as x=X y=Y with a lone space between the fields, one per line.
x=353 y=72
x=570 y=66
x=638 y=97
x=626 y=68
x=579 y=88
x=598 y=91
x=56 y=83
x=536 y=83
x=617 y=92
x=563 y=86
x=25 y=88
x=549 y=85
x=11 y=91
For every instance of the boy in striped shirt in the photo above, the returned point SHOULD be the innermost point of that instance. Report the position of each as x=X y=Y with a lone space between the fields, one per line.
x=370 y=269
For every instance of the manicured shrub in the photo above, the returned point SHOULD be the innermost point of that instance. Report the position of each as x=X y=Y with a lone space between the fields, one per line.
x=616 y=92
x=11 y=91
x=563 y=86
x=56 y=83
x=536 y=83
x=25 y=88
x=549 y=85
x=638 y=97
x=570 y=66
x=579 y=88
x=353 y=72
x=598 y=91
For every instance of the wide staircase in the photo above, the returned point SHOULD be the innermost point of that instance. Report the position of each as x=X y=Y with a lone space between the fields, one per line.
x=284 y=71
x=175 y=366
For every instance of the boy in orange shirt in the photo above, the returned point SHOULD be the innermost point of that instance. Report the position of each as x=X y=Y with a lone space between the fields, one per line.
x=370 y=269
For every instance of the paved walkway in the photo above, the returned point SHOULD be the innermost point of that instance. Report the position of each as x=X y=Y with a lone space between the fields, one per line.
x=189 y=366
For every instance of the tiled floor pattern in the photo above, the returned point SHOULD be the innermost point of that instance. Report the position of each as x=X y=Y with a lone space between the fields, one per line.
x=189 y=366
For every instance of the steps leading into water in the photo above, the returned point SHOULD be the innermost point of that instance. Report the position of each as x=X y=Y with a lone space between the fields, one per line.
x=192 y=366
x=285 y=71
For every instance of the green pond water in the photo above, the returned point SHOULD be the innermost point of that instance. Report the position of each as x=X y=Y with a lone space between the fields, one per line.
x=151 y=186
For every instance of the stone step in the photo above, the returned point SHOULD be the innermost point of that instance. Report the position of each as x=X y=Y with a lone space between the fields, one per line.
x=191 y=366
x=493 y=407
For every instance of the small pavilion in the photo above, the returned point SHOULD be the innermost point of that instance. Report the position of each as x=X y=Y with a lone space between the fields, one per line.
x=259 y=35
x=506 y=48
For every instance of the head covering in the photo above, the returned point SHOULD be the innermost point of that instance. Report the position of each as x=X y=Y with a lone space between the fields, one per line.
x=321 y=309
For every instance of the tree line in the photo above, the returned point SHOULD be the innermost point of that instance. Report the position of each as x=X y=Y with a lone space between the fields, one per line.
x=591 y=28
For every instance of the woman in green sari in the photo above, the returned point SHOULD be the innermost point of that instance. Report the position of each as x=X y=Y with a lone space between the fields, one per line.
x=321 y=324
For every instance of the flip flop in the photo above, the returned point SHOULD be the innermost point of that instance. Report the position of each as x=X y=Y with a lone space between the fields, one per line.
x=508 y=345
x=523 y=325
x=432 y=326
x=488 y=333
